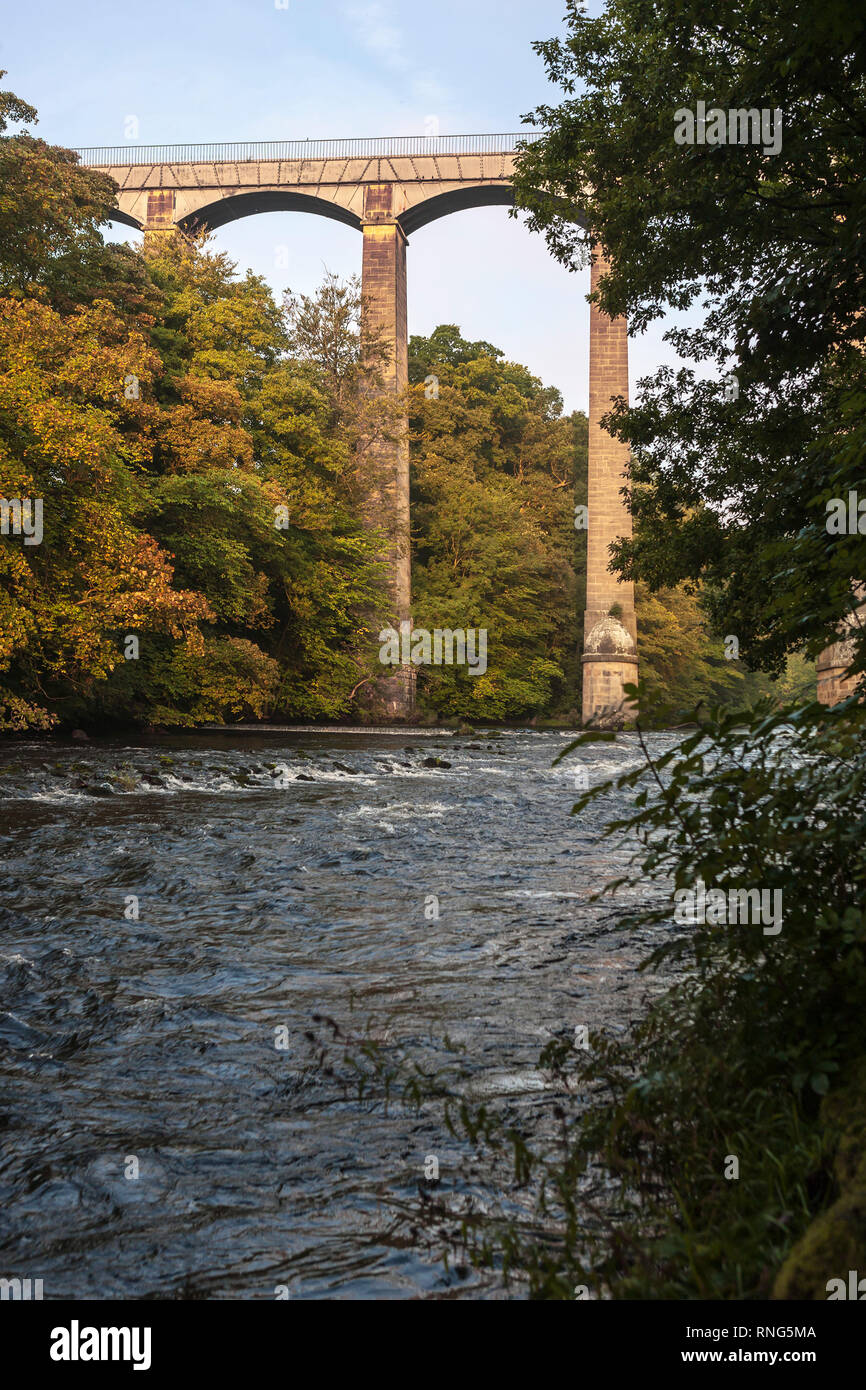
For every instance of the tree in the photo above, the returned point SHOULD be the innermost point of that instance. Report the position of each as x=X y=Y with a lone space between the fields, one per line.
x=198 y=483
x=497 y=471
x=494 y=544
x=91 y=574
x=735 y=459
x=446 y=345
x=255 y=422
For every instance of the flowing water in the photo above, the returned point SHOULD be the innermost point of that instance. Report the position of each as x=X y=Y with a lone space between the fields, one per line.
x=175 y=911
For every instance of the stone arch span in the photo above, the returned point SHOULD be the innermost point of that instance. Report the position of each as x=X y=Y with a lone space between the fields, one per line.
x=224 y=210
x=126 y=220
x=482 y=195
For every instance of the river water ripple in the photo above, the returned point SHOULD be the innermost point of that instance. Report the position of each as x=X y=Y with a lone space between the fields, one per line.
x=278 y=876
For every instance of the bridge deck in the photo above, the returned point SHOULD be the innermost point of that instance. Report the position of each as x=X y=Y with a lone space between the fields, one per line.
x=194 y=186
x=379 y=147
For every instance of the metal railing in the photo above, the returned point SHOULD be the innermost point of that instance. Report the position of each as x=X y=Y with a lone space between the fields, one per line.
x=404 y=146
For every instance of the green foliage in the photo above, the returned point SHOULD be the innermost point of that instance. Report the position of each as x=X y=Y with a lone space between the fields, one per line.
x=496 y=472
x=493 y=473
x=733 y=1058
x=227 y=679
x=730 y=487
x=445 y=347
x=278 y=436
x=683 y=665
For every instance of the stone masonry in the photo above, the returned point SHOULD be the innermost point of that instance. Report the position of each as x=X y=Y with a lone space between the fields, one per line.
x=610 y=629
x=386 y=459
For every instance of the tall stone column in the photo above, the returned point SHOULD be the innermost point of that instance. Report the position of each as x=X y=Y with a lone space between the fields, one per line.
x=610 y=629
x=385 y=460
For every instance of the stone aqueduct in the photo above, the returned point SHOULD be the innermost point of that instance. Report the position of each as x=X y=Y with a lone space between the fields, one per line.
x=387 y=190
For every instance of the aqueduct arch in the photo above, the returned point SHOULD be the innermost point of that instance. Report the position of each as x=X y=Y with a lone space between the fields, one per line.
x=388 y=190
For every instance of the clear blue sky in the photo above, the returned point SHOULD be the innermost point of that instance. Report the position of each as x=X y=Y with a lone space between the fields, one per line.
x=248 y=70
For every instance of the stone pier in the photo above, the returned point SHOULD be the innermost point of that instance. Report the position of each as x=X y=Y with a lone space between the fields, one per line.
x=610 y=629
x=385 y=461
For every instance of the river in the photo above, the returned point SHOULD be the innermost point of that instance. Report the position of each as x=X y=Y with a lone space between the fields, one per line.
x=175 y=910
